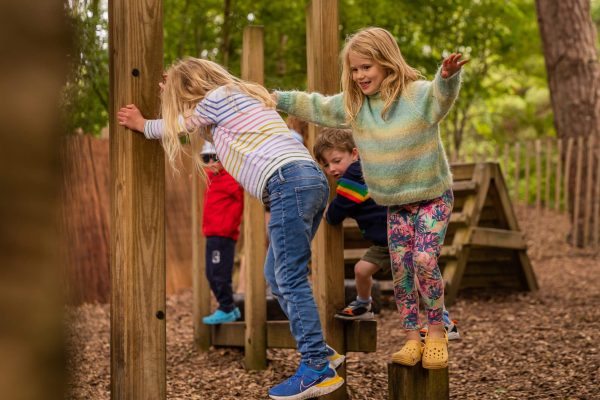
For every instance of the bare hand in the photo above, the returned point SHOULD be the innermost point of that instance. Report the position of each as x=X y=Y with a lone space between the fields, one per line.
x=130 y=117
x=161 y=84
x=452 y=65
x=274 y=97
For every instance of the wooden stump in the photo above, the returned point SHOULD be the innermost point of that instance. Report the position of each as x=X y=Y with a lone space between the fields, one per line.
x=417 y=383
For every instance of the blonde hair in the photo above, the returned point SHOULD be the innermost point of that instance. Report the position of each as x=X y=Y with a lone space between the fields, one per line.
x=189 y=81
x=380 y=46
x=333 y=139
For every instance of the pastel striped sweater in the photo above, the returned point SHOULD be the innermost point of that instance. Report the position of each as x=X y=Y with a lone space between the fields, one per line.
x=402 y=157
x=251 y=141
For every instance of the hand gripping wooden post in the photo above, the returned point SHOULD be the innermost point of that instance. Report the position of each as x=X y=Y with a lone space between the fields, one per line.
x=255 y=310
x=138 y=329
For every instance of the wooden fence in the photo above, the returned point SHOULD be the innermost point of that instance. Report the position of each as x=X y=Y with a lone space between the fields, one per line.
x=86 y=219
x=539 y=173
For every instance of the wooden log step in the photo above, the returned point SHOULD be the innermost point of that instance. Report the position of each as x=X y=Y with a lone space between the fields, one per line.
x=464 y=187
x=417 y=383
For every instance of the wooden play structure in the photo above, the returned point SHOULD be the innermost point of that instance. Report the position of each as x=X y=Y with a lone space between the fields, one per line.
x=483 y=231
x=483 y=247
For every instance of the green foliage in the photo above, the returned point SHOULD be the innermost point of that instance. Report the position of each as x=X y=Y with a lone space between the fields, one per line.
x=85 y=96
x=504 y=95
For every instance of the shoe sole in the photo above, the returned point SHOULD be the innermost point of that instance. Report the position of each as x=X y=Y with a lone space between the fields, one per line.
x=366 y=316
x=435 y=366
x=404 y=362
x=323 y=388
x=337 y=361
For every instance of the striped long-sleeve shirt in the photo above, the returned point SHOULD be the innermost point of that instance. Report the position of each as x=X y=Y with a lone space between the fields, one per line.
x=402 y=156
x=251 y=141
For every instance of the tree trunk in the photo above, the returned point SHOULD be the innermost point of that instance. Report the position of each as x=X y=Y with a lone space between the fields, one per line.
x=569 y=41
x=225 y=50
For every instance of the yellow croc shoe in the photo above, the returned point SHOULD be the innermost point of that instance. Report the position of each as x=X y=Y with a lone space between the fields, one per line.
x=435 y=353
x=410 y=354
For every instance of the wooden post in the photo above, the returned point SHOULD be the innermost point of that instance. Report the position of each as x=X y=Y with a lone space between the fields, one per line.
x=200 y=287
x=577 y=194
x=255 y=303
x=588 y=191
x=558 y=175
x=596 y=225
x=506 y=159
x=517 y=171
x=548 y=173
x=527 y=170
x=417 y=383
x=138 y=328
x=538 y=176
x=328 y=258
x=567 y=173
x=35 y=48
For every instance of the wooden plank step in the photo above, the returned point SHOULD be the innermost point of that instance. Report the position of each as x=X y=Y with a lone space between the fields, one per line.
x=463 y=187
x=490 y=237
x=359 y=336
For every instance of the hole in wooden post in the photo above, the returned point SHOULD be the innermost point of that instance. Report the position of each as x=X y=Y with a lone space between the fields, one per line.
x=135 y=72
x=160 y=315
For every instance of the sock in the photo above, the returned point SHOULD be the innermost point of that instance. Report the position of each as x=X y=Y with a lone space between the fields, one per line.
x=364 y=301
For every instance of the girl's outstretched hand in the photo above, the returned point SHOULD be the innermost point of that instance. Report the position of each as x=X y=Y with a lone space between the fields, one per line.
x=452 y=65
x=130 y=117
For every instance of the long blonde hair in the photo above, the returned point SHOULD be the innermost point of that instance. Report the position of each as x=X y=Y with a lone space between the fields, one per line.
x=380 y=46
x=188 y=81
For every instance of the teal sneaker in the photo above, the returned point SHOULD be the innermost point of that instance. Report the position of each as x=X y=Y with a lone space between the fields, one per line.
x=221 y=317
x=307 y=383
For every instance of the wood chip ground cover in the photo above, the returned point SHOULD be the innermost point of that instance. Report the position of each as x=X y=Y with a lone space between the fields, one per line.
x=543 y=345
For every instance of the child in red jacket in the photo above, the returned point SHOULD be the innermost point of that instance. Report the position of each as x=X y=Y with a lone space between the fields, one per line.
x=223 y=205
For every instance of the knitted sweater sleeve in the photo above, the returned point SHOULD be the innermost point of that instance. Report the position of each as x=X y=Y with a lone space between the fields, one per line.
x=433 y=99
x=203 y=115
x=314 y=107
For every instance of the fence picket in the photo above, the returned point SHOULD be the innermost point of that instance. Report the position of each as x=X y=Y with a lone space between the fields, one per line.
x=577 y=198
x=558 y=175
x=527 y=170
x=517 y=170
x=548 y=172
x=588 y=191
x=538 y=175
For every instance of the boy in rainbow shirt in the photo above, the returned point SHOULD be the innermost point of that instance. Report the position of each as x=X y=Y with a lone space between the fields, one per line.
x=336 y=151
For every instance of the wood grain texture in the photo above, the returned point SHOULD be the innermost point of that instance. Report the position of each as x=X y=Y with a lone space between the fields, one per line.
x=138 y=329
x=255 y=343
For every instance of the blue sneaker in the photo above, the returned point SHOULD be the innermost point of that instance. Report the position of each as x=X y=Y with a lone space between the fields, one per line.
x=221 y=317
x=307 y=383
x=335 y=359
x=238 y=313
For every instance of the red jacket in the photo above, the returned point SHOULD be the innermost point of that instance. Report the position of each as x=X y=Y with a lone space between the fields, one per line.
x=223 y=205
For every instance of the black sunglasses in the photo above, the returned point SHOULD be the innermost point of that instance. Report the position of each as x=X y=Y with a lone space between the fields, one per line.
x=206 y=158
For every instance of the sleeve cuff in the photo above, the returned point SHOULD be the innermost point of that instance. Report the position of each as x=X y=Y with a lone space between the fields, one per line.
x=284 y=100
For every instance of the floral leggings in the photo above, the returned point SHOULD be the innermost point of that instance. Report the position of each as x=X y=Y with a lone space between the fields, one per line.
x=416 y=233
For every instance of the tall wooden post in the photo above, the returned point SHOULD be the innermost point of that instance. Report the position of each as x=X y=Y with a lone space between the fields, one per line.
x=255 y=342
x=322 y=44
x=200 y=286
x=31 y=269
x=138 y=329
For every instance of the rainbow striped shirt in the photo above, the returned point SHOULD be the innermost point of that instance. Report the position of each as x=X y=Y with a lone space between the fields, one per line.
x=252 y=142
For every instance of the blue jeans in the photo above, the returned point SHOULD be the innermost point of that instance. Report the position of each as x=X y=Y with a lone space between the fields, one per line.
x=298 y=193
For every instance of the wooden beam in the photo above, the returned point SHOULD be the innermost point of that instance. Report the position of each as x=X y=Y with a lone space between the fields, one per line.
x=255 y=355
x=138 y=329
x=359 y=335
x=490 y=237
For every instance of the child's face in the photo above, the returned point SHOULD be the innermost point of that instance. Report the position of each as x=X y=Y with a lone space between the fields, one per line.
x=336 y=162
x=366 y=73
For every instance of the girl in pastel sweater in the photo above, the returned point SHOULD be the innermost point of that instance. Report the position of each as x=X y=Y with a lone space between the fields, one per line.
x=256 y=148
x=394 y=116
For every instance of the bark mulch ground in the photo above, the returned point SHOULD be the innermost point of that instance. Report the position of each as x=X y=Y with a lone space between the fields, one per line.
x=542 y=345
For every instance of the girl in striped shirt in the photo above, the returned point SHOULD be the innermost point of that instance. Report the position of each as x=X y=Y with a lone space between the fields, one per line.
x=201 y=99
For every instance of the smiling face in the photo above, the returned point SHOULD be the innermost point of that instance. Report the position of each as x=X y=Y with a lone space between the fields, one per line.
x=336 y=162
x=366 y=73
